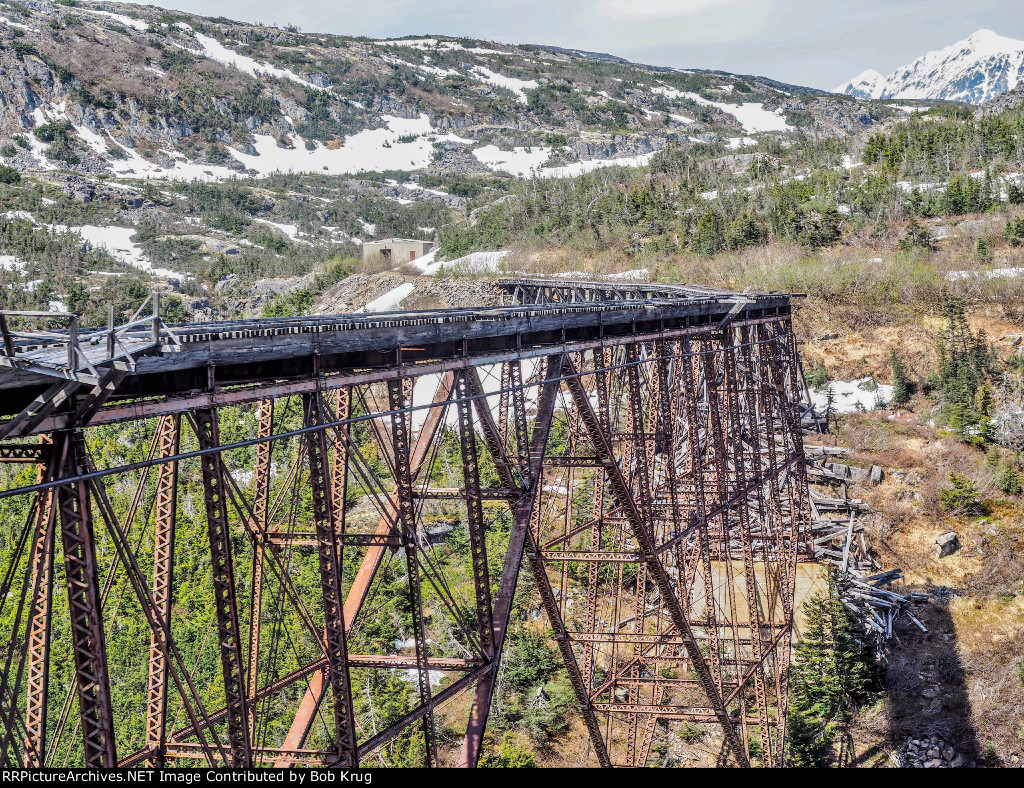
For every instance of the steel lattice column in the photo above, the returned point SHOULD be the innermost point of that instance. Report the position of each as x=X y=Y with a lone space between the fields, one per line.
x=88 y=645
x=39 y=628
x=225 y=601
x=260 y=514
x=641 y=533
x=163 y=582
x=329 y=549
x=398 y=401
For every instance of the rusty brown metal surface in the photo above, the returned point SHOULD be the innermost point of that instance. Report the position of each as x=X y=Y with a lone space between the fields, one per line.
x=651 y=481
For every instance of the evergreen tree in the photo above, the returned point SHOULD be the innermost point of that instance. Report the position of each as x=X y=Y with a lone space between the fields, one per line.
x=808 y=740
x=901 y=383
x=745 y=231
x=915 y=237
x=965 y=361
x=983 y=250
x=819 y=226
x=710 y=239
x=1007 y=480
x=1014 y=232
x=961 y=497
x=829 y=677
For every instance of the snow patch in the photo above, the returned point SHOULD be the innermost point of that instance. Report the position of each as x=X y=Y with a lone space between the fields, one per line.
x=521 y=162
x=390 y=300
x=25 y=216
x=752 y=115
x=215 y=50
x=636 y=275
x=849 y=396
x=370 y=149
x=433 y=44
x=18 y=25
x=581 y=167
x=475 y=262
x=92 y=139
x=127 y=21
x=517 y=86
x=990 y=273
x=116 y=241
x=412 y=676
x=134 y=166
x=291 y=230
x=755 y=118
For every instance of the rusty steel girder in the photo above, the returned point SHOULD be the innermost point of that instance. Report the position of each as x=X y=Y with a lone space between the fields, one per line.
x=650 y=483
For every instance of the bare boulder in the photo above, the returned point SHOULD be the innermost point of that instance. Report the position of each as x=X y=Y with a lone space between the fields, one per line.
x=946 y=544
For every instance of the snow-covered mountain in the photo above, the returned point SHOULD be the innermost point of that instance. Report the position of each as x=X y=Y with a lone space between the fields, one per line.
x=974 y=71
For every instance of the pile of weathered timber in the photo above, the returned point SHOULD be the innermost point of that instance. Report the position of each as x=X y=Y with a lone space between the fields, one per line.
x=838 y=538
x=877 y=607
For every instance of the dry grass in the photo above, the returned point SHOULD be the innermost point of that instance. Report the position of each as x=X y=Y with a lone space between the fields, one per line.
x=971 y=653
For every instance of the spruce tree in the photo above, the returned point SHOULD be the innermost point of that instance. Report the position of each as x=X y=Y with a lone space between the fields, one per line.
x=983 y=250
x=965 y=361
x=900 y=380
x=808 y=740
x=915 y=237
x=829 y=677
x=710 y=238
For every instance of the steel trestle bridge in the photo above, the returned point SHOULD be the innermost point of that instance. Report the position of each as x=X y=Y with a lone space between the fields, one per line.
x=219 y=538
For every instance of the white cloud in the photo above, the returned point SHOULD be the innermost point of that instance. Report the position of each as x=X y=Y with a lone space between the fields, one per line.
x=806 y=42
x=646 y=10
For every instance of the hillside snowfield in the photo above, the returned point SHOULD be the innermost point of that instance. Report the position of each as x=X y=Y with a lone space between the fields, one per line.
x=974 y=71
x=372 y=149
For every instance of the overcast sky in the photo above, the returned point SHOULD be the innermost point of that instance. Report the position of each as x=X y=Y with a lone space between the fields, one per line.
x=819 y=43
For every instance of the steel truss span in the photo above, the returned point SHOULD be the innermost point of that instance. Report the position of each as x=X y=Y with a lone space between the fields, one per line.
x=209 y=558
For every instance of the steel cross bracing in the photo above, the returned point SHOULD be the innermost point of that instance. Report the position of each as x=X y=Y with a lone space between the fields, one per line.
x=320 y=562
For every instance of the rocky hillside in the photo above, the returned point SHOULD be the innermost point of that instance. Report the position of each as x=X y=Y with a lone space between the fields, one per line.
x=138 y=92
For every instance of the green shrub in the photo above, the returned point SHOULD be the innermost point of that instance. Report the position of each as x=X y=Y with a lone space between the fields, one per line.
x=510 y=755
x=9 y=175
x=961 y=497
x=1007 y=480
x=817 y=377
x=24 y=48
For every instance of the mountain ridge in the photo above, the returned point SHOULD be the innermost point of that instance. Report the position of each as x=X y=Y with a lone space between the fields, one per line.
x=149 y=93
x=973 y=70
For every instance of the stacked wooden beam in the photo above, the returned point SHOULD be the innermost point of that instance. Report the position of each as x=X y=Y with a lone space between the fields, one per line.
x=838 y=538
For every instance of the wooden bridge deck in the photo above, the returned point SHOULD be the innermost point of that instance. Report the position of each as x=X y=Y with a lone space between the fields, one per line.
x=200 y=356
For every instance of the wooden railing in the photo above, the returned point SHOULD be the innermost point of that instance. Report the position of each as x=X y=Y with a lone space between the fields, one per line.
x=21 y=347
